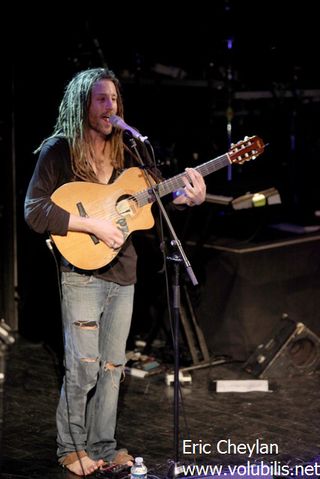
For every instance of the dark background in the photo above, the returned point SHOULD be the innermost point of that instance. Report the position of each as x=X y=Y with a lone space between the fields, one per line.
x=252 y=63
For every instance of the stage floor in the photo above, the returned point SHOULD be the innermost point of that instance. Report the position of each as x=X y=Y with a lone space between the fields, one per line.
x=278 y=428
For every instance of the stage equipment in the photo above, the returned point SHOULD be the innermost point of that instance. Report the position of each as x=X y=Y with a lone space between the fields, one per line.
x=292 y=350
x=268 y=197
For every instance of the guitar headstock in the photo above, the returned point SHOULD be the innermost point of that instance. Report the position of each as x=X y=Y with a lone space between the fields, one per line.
x=245 y=150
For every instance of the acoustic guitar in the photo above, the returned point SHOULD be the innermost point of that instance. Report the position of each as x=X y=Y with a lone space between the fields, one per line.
x=127 y=203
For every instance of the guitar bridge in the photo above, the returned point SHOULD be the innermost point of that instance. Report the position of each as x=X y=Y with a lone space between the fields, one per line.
x=83 y=213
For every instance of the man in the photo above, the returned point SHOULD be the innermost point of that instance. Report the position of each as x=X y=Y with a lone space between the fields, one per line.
x=96 y=303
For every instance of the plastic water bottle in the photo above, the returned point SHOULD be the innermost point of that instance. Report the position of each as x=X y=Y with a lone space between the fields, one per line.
x=139 y=469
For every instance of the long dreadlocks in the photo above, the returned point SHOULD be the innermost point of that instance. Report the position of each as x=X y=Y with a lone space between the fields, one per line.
x=73 y=120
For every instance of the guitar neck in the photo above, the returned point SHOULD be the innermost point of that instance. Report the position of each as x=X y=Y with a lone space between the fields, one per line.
x=173 y=184
x=242 y=151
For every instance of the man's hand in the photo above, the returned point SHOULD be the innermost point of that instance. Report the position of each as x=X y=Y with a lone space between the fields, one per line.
x=194 y=191
x=105 y=230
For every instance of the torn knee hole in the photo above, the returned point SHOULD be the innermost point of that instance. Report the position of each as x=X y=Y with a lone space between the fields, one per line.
x=89 y=360
x=86 y=324
x=111 y=366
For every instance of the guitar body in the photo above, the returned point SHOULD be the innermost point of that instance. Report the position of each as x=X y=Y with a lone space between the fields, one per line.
x=115 y=202
x=127 y=203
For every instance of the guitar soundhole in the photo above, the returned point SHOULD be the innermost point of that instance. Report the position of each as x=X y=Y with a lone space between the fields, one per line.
x=126 y=205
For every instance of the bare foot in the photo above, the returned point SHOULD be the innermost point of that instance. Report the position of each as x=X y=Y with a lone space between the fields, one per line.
x=86 y=467
x=123 y=458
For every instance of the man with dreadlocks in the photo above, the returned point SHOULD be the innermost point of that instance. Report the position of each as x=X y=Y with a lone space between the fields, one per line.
x=96 y=304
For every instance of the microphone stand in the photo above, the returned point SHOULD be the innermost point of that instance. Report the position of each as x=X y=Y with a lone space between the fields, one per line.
x=177 y=258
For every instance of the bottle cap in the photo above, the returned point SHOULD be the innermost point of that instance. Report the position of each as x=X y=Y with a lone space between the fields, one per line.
x=139 y=460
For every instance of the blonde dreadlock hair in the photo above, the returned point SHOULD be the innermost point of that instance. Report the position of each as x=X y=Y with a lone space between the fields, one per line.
x=73 y=120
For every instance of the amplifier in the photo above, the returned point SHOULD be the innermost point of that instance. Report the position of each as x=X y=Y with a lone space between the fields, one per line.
x=292 y=350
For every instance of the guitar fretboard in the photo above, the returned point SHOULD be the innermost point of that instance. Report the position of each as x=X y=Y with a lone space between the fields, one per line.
x=172 y=184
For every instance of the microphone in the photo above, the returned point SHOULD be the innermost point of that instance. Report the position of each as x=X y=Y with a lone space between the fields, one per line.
x=119 y=123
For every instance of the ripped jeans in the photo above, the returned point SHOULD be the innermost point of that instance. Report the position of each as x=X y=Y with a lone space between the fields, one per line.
x=96 y=320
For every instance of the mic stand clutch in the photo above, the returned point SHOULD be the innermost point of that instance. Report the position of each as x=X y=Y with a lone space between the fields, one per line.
x=178 y=258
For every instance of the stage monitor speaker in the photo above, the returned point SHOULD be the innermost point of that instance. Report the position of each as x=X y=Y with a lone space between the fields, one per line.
x=292 y=350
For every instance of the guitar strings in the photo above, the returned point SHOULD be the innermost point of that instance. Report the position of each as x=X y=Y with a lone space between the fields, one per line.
x=144 y=197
